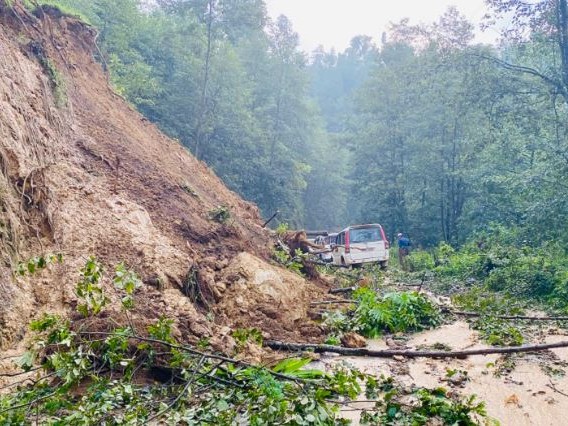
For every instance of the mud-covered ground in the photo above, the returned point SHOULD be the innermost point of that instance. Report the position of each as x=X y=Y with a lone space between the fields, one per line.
x=518 y=389
x=84 y=174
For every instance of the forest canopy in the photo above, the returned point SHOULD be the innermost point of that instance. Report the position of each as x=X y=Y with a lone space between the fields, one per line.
x=424 y=132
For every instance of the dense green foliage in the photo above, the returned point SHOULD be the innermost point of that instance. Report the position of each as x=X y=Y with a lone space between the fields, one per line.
x=393 y=312
x=445 y=137
x=200 y=389
x=498 y=274
x=375 y=314
x=502 y=263
x=425 y=132
x=437 y=404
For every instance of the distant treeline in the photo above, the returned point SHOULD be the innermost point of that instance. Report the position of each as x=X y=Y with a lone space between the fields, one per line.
x=425 y=133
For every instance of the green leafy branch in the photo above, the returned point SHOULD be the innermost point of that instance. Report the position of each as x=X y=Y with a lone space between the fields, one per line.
x=90 y=289
x=38 y=263
x=394 y=312
x=127 y=281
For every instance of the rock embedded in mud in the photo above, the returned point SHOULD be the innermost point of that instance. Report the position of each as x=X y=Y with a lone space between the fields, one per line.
x=223 y=343
x=221 y=286
x=199 y=329
x=311 y=355
x=216 y=294
x=270 y=311
x=353 y=340
x=221 y=264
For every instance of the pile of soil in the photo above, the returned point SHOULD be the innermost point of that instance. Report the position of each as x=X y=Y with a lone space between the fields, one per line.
x=84 y=174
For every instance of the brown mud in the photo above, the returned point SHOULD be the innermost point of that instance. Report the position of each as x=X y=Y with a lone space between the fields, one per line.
x=528 y=389
x=84 y=174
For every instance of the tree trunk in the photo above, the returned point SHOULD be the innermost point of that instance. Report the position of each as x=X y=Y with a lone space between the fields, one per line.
x=203 y=102
x=563 y=39
x=388 y=353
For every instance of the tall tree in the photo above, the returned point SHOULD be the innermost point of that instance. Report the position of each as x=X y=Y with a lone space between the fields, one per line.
x=544 y=22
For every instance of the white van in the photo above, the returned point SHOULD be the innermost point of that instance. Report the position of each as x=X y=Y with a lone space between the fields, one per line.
x=360 y=244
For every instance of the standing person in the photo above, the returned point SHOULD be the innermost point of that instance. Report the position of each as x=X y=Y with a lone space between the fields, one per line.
x=403 y=249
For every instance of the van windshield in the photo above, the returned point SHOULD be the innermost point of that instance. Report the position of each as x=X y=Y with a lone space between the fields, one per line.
x=364 y=235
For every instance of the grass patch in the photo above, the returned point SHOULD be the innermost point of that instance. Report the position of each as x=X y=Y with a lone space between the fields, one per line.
x=63 y=7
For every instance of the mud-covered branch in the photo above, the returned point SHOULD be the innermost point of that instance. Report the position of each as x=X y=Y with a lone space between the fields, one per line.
x=508 y=317
x=388 y=353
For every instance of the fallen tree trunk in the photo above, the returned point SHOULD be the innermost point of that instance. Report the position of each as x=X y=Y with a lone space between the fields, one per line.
x=388 y=353
x=507 y=317
x=342 y=290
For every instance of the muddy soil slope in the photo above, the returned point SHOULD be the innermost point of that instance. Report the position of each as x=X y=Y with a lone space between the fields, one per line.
x=82 y=173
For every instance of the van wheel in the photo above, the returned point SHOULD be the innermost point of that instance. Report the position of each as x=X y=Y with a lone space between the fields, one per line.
x=383 y=264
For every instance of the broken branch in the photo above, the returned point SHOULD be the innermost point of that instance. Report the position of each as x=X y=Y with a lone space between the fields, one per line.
x=342 y=290
x=387 y=353
x=507 y=317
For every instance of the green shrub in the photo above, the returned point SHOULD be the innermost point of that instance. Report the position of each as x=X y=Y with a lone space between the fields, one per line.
x=528 y=275
x=243 y=336
x=221 y=214
x=463 y=264
x=498 y=332
x=420 y=261
x=394 y=312
x=294 y=264
x=282 y=228
x=504 y=265
x=430 y=406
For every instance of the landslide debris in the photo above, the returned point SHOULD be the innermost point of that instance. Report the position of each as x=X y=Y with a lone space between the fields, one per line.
x=82 y=173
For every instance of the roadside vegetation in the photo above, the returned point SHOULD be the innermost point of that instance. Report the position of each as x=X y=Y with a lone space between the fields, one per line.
x=94 y=370
x=497 y=274
x=504 y=270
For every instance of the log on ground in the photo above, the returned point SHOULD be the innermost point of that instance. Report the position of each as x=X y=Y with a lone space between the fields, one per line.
x=387 y=353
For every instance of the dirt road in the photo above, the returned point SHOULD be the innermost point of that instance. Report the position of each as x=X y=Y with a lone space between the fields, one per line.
x=534 y=392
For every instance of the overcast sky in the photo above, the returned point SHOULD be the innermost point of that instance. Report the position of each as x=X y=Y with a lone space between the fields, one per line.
x=333 y=23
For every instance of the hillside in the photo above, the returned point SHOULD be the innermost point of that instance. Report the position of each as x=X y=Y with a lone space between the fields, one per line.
x=84 y=174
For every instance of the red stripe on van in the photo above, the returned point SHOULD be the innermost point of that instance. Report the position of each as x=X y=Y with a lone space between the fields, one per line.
x=383 y=236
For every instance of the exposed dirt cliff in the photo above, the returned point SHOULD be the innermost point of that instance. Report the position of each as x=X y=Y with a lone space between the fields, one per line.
x=83 y=173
